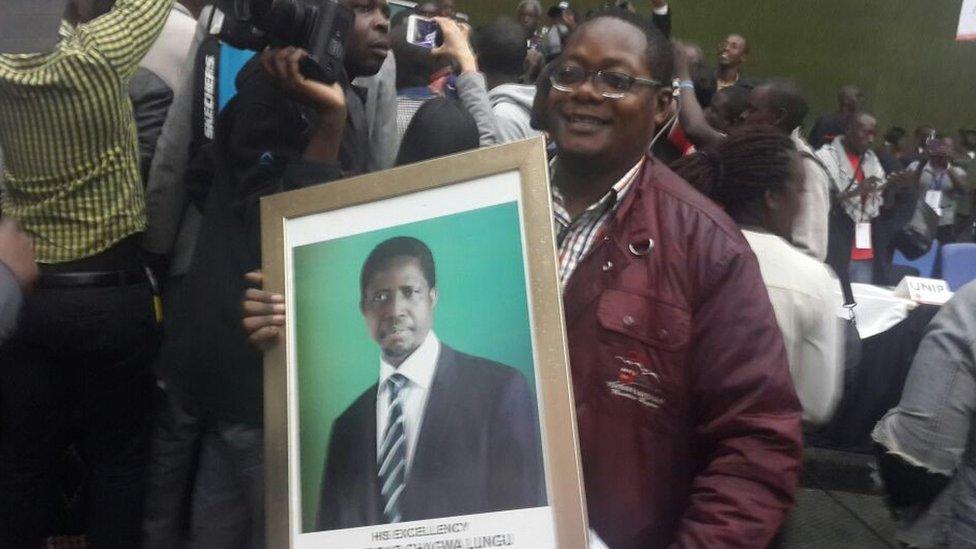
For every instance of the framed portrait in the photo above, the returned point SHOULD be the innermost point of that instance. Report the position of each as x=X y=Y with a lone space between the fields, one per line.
x=422 y=398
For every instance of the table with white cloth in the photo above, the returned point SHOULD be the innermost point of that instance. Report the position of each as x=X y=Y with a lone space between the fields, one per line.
x=891 y=329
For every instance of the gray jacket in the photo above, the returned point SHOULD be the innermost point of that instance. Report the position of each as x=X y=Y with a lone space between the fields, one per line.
x=173 y=222
x=512 y=106
x=933 y=426
x=152 y=88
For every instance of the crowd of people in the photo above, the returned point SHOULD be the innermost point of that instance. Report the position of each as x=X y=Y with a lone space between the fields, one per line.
x=698 y=232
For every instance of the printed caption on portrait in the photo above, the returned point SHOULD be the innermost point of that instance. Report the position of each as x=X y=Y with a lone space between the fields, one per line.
x=521 y=529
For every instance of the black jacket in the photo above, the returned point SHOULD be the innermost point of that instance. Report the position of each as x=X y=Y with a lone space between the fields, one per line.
x=258 y=147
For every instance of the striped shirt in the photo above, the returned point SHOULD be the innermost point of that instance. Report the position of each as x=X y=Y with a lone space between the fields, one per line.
x=69 y=137
x=575 y=237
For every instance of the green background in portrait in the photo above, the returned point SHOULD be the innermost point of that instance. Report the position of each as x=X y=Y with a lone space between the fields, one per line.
x=482 y=310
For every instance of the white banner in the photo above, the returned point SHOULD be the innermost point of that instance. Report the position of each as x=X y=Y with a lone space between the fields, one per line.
x=967 y=21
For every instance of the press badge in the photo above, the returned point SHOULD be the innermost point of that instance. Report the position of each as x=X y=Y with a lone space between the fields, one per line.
x=934 y=199
x=862 y=236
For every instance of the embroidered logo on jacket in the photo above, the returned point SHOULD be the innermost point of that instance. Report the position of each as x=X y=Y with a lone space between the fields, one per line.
x=636 y=382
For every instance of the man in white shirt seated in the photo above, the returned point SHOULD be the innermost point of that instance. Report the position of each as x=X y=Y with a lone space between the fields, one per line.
x=758 y=176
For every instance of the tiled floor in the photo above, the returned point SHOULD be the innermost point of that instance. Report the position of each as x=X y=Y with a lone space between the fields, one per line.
x=839 y=505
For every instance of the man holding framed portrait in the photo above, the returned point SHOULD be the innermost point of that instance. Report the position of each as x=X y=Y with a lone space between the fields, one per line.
x=688 y=423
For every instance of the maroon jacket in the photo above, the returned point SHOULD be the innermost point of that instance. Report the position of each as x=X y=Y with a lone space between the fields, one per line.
x=688 y=421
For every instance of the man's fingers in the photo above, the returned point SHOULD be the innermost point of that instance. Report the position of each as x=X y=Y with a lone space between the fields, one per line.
x=254 y=294
x=294 y=74
x=258 y=308
x=255 y=278
x=280 y=63
x=254 y=324
x=266 y=57
x=264 y=338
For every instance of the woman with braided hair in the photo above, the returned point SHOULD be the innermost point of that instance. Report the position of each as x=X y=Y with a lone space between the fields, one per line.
x=757 y=175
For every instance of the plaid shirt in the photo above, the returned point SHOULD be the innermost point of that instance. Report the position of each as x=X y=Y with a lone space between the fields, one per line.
x=575 y=237
x=69 y=136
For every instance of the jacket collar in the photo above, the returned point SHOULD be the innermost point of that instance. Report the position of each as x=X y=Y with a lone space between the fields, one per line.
x=631 y=224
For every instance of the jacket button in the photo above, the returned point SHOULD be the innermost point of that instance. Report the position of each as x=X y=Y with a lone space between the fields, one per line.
x=629 y=321
x=662 y=334
x=607 y=266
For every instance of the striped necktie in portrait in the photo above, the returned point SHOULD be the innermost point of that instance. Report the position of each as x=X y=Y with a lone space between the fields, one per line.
x=392 y=457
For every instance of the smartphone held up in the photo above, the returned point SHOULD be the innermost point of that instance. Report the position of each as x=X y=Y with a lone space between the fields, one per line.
x=424 y=32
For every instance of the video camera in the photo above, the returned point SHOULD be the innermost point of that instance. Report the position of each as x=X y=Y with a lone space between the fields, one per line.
x=321 y=29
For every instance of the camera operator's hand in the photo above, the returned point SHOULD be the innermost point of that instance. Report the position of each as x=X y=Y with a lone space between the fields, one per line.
x=17 y=253
x=282 y=65
x=456 y=45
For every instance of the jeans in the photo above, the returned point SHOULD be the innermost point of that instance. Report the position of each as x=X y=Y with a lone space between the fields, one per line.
x=82 y=352
x=206 y=482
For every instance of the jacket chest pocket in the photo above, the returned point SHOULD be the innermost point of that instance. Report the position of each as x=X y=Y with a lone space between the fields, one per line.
x=643 y=349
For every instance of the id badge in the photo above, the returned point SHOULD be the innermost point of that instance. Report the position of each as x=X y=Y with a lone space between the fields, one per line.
x=934 y=199
x=862 y=236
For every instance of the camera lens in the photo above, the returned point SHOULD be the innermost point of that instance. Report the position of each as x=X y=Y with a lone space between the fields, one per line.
x=290 y=22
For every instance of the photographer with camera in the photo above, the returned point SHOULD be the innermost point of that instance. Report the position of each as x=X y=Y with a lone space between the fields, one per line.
x=296 y=121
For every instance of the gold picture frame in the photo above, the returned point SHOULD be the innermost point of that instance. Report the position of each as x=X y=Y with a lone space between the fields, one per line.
x=289 y=219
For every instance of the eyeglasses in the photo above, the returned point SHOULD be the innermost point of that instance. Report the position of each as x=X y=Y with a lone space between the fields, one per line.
x=609 y=84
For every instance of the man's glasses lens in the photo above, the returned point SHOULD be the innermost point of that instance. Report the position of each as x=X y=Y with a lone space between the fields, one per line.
x=568 y=77
x=609 y=84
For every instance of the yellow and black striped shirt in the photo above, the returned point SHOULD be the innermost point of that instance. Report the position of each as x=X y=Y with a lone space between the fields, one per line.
x=69 y=137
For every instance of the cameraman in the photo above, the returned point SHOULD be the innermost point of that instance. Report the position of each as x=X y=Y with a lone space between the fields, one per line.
x=282 y=131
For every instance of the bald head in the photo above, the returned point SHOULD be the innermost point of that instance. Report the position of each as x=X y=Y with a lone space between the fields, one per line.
x=777 y=103
x=861 y=131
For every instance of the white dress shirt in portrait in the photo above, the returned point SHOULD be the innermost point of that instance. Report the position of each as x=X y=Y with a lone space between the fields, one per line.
x=419 y=370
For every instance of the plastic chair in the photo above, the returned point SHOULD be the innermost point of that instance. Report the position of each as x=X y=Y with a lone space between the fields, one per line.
x=958 y=264
x=925 y=265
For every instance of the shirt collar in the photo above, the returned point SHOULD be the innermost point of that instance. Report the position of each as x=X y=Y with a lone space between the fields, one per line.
x=612 y=198
x=419 y=367
x=66 y=30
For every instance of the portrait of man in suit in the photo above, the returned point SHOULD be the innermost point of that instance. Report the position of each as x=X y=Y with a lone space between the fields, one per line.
x=441 y=433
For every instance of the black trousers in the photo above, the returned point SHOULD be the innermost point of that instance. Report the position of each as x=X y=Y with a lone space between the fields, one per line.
x=84 y=353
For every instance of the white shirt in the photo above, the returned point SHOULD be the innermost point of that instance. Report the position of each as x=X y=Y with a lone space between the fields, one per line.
x=802 y=292
x=419 y=370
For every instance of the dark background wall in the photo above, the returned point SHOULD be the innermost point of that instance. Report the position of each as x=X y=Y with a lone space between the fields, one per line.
x=902 y=52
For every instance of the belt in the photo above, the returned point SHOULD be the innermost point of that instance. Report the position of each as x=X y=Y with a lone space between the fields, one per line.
x=91 y=280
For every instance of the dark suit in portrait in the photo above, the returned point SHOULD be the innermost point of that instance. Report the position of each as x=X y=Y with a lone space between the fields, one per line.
x=478 y=450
